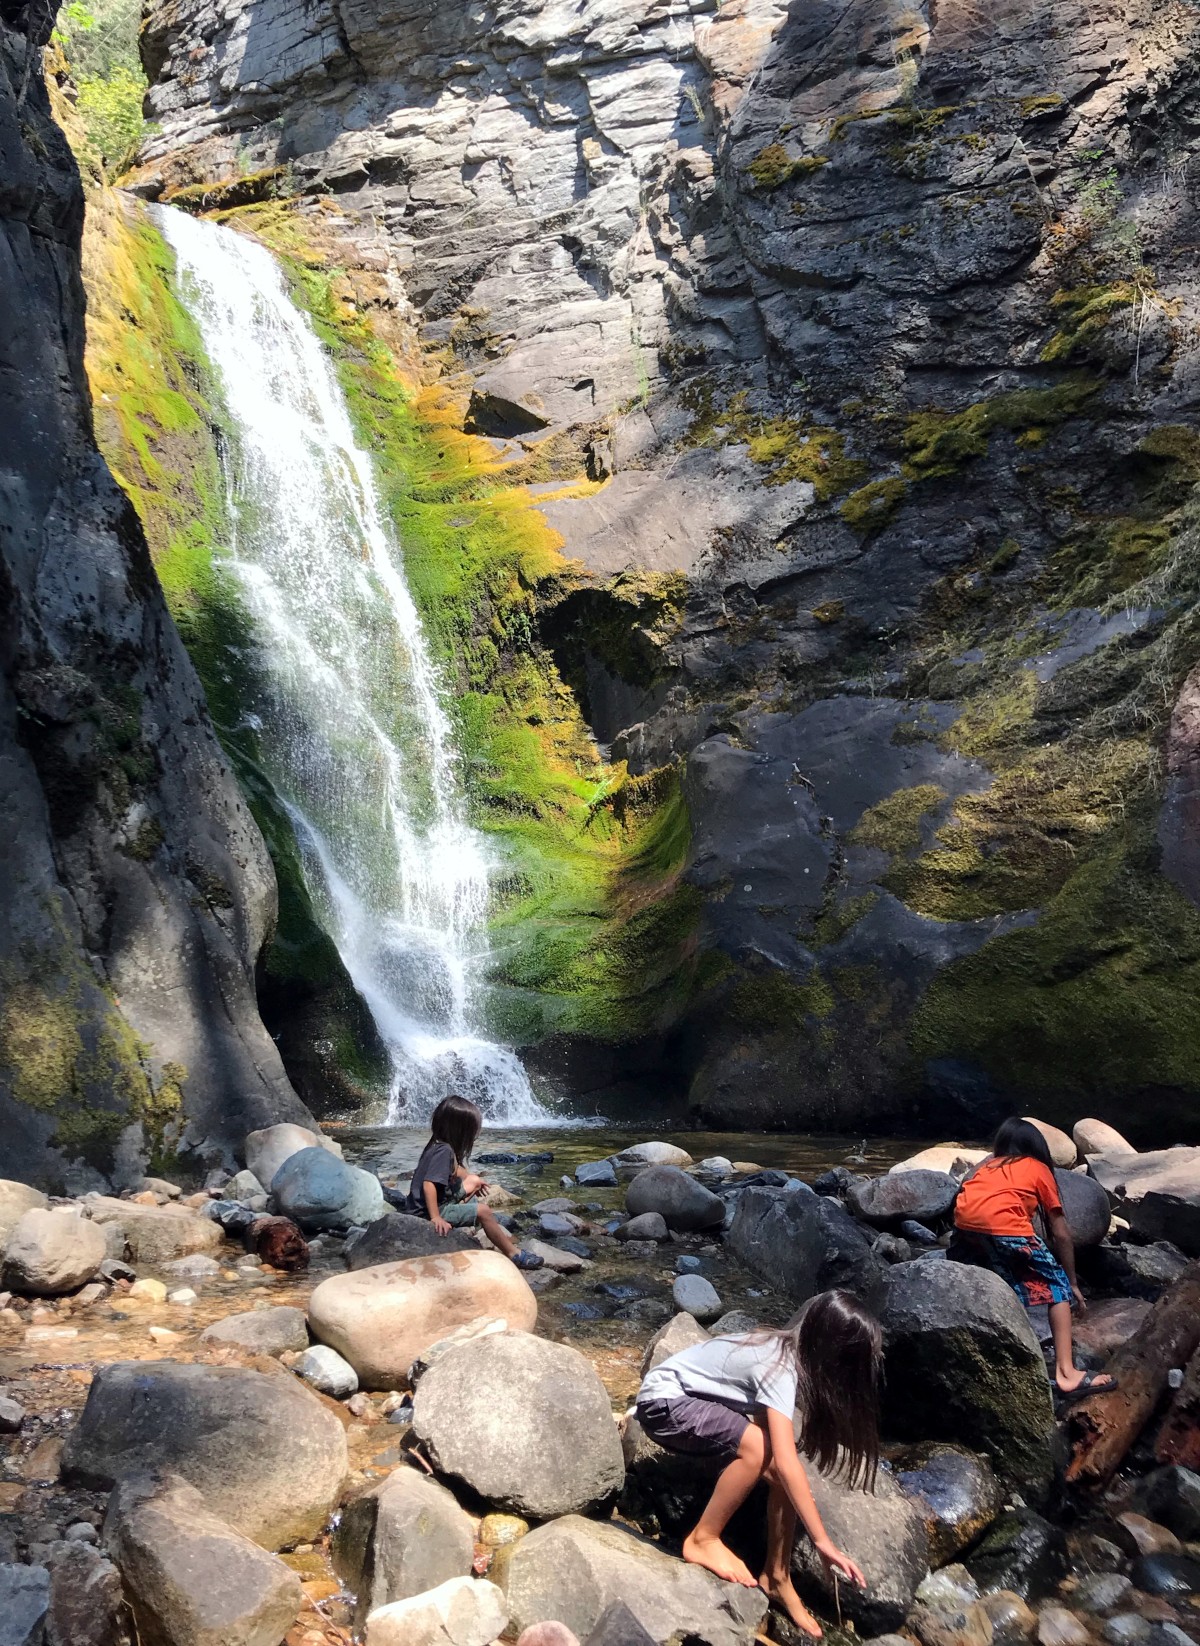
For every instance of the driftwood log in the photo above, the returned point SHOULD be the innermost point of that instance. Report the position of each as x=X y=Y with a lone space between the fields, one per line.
x=1102 y=1427
x=1179 y=1438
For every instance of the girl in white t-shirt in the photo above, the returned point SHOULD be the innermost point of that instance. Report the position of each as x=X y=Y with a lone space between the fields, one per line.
x=735 y=1399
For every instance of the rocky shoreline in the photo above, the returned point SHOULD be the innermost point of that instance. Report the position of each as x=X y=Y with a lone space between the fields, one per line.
x=251 y=1414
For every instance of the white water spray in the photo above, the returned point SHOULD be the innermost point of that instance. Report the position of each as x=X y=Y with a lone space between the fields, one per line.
x=355 y=734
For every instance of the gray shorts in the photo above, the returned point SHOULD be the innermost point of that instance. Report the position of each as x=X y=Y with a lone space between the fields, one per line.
x=703 y=1428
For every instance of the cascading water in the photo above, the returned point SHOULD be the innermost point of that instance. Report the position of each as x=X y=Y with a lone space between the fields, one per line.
x=355 y=734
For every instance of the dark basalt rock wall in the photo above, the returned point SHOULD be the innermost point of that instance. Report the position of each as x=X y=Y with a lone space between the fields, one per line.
x=880 y=325
x=136 y=888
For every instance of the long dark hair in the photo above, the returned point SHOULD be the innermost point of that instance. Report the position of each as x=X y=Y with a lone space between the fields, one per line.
x=456 y=1121
x=1020 y=1139
x=838 y=1350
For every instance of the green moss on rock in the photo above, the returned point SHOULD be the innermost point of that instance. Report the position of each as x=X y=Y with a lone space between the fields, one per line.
x=773 y=166
x=938 y=443
x=894 y=824
x=871 y=507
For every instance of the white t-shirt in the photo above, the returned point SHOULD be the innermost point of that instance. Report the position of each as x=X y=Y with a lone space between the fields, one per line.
x=737 y=1371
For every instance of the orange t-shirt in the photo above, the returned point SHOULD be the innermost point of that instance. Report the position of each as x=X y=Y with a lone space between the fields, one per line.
x=1001 y=1196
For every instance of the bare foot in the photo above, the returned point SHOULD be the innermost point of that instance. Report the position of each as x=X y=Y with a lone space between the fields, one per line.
x=1069 y=1383
x=711 y=1553
x=779 y=1592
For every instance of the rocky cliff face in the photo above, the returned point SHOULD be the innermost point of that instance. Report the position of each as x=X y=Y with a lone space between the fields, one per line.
x=136 y=890
x=867 y=335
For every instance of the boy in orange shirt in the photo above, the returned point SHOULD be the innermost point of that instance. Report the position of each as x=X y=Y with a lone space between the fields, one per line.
x=993 y=1227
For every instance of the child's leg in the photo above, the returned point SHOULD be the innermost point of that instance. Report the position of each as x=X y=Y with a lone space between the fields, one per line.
x=492 y=1228
x=776 y=1579
x=705 y=1546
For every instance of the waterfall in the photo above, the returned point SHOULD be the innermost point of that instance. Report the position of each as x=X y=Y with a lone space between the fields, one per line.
x=352 y=722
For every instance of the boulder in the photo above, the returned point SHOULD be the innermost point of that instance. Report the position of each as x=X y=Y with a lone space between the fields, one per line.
x=683 y=1203
x=885 y=1201
x=654 y=1154
x=398 y=1236
x=1107 y=1325
x=525 y=1423
x=261 y=1331
x=1174 y=1577
x=243 y=1186
x=681 y=1332
x=15 y=1200
x=24 y=1599
x=1097 y=1137
x=1159 y=1193
x=463 y=1612
x=596 y=1174
x=190 y=1578
x=404 y=1537
x=1139 y=1271
x=647 y=1226
x=482 y=1326
x=12 y=1415
x=1085 y=1205
x=87 y=1602
x=380 y=1319
x=267 y=1150
x=1022 y=1554
x=884 y=1532
x=697 y=1297
x=803 y=1244
x=319 y=1191
x=557 y=1258
x=1172 y=1496
x=573 y=1569
x=956 y=1493
x=963 y=1364
x=152 y=1236
x=1013 y=1622
x=616 y=1626
x=51 y=1252
x=267 y=1454
x=955 y=1158
x=1063 y=1150
x=324 y=1370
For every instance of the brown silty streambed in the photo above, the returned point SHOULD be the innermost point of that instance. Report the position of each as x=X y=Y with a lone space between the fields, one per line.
x=608 y=1311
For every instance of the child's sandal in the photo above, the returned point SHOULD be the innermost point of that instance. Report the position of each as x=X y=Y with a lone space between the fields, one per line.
x=527 y=1260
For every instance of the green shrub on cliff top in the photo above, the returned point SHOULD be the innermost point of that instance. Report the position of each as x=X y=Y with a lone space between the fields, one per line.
x=99 y=42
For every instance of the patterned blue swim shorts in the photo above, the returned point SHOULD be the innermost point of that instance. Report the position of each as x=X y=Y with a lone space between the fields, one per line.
x=1024 y=1261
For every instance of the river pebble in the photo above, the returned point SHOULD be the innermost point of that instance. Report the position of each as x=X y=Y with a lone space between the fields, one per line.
x=697 y=1297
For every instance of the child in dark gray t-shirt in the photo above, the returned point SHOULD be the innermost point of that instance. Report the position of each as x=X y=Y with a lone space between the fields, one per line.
x=445 y=1192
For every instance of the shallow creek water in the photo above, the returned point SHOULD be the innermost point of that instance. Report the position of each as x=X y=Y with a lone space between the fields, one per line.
x=608 y=1312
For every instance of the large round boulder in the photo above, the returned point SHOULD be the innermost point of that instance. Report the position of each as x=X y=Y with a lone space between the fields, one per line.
x=399 y=1236
x=803 y=1244
x=152 y=1236
x=682 y=1202
x=267 y=1455
x=319 y=1191
x=1085 y=1205
x=955 y=1158
x=1097 y=1137
x=885 y=1201
x=955 y=1492
x=51 y=1252
x=381 y=1319
x=1062 y=1148
x=15 y=1200
x=964 y=1364
x=525 y=1423
x=260 y=1331
x=267 y=1150
x=405 y=1536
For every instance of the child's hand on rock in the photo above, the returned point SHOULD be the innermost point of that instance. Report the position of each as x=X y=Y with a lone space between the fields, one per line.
x=841 y=1564
x=440 y=1226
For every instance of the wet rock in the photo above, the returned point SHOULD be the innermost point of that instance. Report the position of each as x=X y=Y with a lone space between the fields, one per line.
x=524 y=1422
x=398 y=1236
x=686 y=1264
x=152 y=1236
x=885 y=1201
x=462 y=1612
x=884 y=1532
x=963 y=1364
x=1100 y=1592
x=682 y=1332
x=683 y=1203
x=1172 y=1496
x=1139 y=1271
x=1086 y=1207
x=1096 y=1137
x=267 y=1150
x=558 y=1223
x=575 y=1569
x=319 y=1191
x=696 y=1296
x=87 y=1601
x=964 y=1626
x=1063 y=1149
x=557 y=1258
x=381 y=1318
x=955 y=1492
x=654 y=1154
x=404 y=1537
x=24 y=1599
x=1013 y=1622
x=1127 y=1629
x=1107 y=1325
x=647 y=1226
x=948 y=1590
x=1148 y=1536
x=15 y=1200
x=1059 y=1627
x=12 y=1415
x=261 y=1331
x=191 y=1579
x=804 y=1244
x=266 y=1454
x=596 y=1174
x=51 y=1252
x=148 y=1290
x=1022 y=1554
x=196 y=1267
x=1176 y=1577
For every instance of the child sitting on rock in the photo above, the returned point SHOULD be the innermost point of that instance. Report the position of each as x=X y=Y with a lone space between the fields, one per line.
x=735 y=1399
x=442 y=1189
x=993 y=1227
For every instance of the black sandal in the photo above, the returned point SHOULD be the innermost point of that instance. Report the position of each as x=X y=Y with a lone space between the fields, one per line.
x=1087 y=1385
